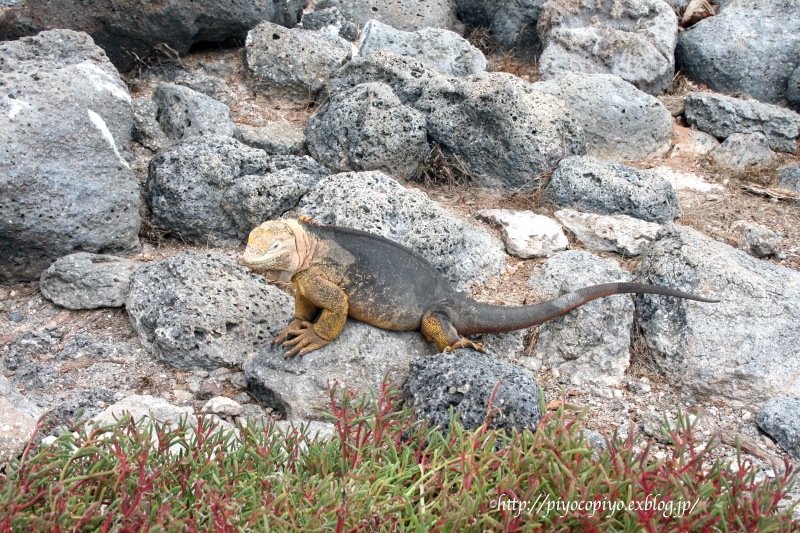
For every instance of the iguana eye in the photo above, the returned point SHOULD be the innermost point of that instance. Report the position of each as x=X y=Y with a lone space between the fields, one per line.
x=274 y=245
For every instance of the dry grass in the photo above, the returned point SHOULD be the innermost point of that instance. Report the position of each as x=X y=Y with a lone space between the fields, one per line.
x=443 y=168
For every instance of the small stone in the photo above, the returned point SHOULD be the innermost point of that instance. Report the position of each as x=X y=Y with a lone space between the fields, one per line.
x=182 y=396
x=222 y=406
x=596 y=440
x=15 y=316
x=527 y=234
x=242 y=398
x=757 y=240
x=653 y=425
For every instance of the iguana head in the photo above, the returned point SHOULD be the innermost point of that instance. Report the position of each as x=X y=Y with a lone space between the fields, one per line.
x=273 y=246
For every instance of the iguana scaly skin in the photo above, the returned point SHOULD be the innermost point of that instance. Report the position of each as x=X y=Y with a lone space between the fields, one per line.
x=339 y=272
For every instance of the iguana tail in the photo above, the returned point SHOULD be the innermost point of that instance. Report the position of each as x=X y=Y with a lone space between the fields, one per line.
x=475 y=317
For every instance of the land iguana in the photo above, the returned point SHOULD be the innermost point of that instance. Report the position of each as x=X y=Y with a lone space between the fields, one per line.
x=339 y=272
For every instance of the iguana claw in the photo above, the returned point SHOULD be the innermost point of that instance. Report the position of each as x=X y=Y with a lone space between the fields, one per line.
x=306 y=340
x=465 y=343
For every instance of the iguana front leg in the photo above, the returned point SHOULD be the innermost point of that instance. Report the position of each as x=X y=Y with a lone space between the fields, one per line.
x=304 y=312
x=323 y=294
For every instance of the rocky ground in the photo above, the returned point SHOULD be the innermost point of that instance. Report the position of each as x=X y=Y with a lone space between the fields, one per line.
x=66 y=360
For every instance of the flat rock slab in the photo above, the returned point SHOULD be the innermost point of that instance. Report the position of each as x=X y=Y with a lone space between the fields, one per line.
x=442 y=50
x=88 y=281
x=406 y=15
x=750 y=48
x=525 y=233
x=590 y=184
x=634 y=40
x=742 y=350
x=65 y=184
x=609 y=233
x=592 y=342
x=464 y=381
x=359 y=359
x=379 y=204
x=197 y=310
x=722 y=116
x=619 y=121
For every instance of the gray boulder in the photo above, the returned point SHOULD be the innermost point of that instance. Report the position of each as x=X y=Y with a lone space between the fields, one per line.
x=442 y=50
x=740 y=351
x=751 y=48
x=189 y=188
x=411 y=80
x=512 y=22
x=65 y=184
x=463 y=381
x=275 y=138
x=780 y=419
x=744 y=150
x=789 y=178
x=146 y=129
x=359 y=359
x=634 y=40
x=592 y=342
x=722 y=116
x=589 y=184
x=619 y=121
x=368 y=128
x=330 y=21
x=793 y=90
x=406 y=15
x=204 y=310
x=131 y=32
x=87 y=281
x=183 y=112
x=255 y=198
x=19 y=421
x=507 y=133
x=206 y=77
x=293 y=64
x=376 y=203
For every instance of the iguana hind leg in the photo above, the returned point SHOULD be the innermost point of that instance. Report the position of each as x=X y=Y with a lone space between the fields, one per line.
x=438 y=329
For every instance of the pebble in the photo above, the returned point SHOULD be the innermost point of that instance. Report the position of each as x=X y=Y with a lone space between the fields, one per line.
x=15 y=316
